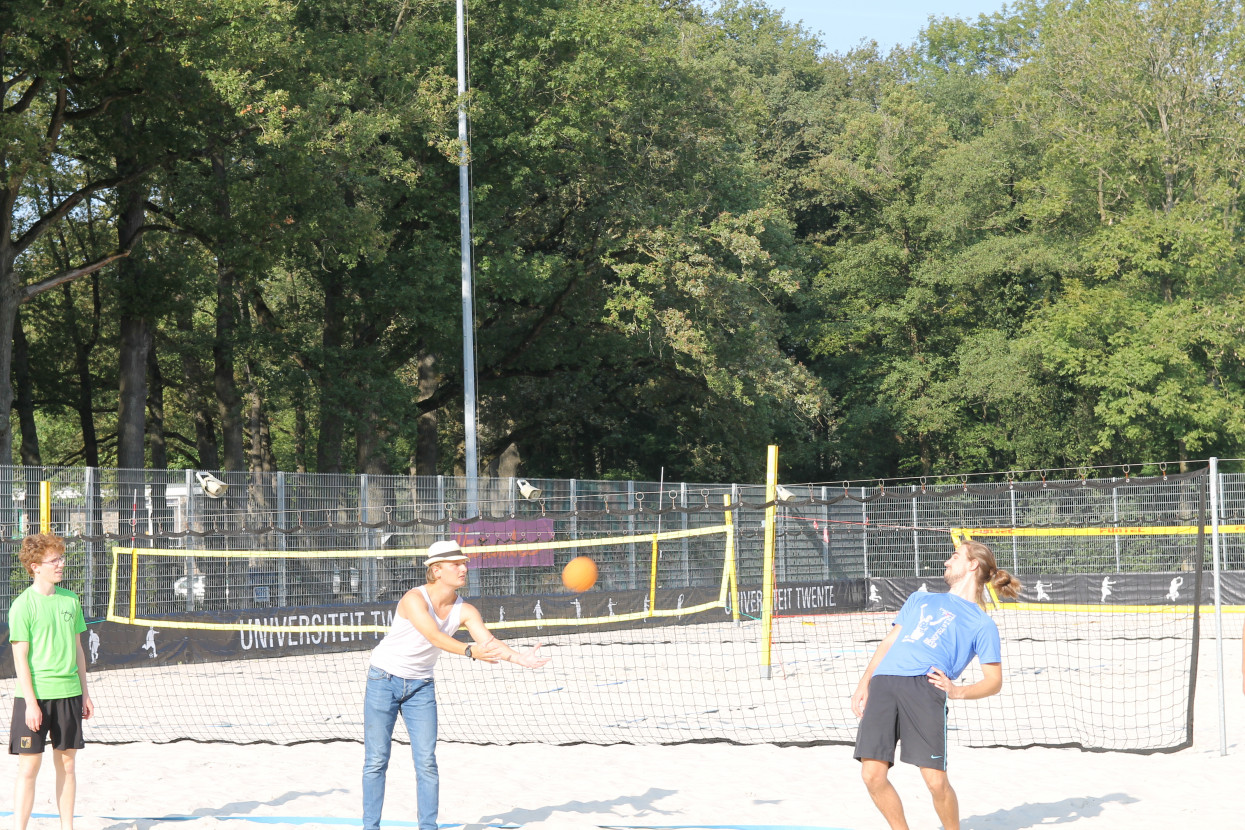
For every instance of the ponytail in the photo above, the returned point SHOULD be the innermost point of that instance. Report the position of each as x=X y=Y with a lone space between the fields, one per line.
x=1005 y=584
x=988 y=570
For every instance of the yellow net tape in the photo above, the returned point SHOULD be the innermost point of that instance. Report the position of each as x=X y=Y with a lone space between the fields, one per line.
x=727 y=531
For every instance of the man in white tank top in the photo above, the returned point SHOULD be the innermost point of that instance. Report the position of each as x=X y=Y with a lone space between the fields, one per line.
x=400 y=678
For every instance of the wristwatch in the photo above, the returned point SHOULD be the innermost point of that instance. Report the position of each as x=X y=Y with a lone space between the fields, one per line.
x=467 y=653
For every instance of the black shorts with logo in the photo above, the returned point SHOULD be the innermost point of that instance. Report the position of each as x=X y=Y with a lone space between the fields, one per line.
x=61 y=726
x=908 y=710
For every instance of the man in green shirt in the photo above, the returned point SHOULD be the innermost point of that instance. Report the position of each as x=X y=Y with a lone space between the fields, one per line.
x=45 y=627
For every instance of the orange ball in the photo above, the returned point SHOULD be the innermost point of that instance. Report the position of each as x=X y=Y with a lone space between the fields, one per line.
x=580 y=574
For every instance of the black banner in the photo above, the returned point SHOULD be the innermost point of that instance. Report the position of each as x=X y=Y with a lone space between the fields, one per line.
x=117 y=645
x=1106 y=589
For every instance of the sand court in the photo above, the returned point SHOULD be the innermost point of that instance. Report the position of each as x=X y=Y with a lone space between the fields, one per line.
x=707 y=785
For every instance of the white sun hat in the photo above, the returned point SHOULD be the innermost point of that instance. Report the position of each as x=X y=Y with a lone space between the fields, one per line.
x=446 y=550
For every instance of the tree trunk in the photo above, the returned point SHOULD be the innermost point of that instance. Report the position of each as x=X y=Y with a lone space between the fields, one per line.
x=10 y=299
x=194 y=381
x=331 y=422
x=368 y=457
x=229 y=402
x=262 y=458
x=155 y=409
x=25 y=397
x=426 y=428
x=300 y=437
x=132 y=412
x=135 y=333
x=85 y=383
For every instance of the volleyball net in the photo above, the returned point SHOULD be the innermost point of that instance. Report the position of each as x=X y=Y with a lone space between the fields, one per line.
x=748 y=622
x=1095 y=660
x=623 y=653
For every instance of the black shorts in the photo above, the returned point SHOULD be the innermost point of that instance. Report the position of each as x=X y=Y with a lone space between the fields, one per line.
x=61 y=726
x=908 y=710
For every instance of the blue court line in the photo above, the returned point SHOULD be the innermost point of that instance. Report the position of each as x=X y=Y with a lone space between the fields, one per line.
x=349 y=822
x=354 y=822
x=714 y=827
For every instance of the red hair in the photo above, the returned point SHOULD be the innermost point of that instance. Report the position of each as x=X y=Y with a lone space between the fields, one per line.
x=35 y=547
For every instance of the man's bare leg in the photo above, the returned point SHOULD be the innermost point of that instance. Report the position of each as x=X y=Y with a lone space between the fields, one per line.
x=945 y=803
x=66 y=784
x=24 y=789
x=883 y=792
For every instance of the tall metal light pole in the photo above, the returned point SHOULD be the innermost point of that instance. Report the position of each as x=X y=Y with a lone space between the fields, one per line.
x=469 y=344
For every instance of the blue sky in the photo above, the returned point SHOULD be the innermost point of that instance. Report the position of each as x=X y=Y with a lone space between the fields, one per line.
x=889 y=22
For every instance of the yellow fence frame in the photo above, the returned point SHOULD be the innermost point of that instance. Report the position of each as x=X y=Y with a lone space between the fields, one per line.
x=960 y=534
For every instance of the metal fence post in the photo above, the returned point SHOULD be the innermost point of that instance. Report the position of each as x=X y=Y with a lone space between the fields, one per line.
x=440 y=498
x=514 y=507
x=89 y=576
x=364 y=542
x=283 y=589
x=1011 y=491
x=825 y=534
x=864 y=531
x=631 y=558
x=188 y=544
x=916 y=538
x=1115 y=518
x=687 y=569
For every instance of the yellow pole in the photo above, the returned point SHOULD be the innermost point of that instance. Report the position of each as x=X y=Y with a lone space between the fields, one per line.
x=652 y=580
x=767 y=586
x=45 y=507
x=134 y=583
x=112 y=586
x=731 y=574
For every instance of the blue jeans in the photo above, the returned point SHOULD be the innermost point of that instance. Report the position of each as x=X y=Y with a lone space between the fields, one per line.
x=417 y=701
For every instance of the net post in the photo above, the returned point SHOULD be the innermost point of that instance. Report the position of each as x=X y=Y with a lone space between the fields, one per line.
x=112 y=587
x=1213 y=476
x=731 y=575
x=45 y=506
x=767 y=569
x=652 y=580
x=133 y=583
x=1196 y=634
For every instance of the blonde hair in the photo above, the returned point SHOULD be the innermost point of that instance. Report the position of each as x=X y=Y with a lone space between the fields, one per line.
x=36 y=546
x=988 y=571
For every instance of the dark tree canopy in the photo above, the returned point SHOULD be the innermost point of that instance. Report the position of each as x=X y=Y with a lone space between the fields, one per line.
x=229 y=238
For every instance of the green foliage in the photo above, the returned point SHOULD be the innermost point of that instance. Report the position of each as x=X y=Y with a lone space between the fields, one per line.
x=1014 y=244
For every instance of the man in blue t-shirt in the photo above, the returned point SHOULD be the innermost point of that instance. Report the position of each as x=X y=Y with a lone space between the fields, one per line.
x=902 y=696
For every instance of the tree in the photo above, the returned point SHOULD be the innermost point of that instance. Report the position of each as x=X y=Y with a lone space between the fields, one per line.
x=1137 y=109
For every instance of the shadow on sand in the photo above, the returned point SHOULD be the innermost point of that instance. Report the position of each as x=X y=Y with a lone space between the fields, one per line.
x=643 y=804
x=233 y=809
x=1045 y=815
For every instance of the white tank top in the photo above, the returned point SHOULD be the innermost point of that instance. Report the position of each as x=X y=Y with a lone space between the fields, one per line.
x=408 y=654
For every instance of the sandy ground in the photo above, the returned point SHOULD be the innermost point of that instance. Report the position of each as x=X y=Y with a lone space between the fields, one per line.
x=226 y=787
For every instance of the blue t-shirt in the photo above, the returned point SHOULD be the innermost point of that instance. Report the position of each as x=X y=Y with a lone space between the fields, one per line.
x=942 y=630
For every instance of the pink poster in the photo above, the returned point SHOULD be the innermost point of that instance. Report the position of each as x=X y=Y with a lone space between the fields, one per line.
x=508 y=532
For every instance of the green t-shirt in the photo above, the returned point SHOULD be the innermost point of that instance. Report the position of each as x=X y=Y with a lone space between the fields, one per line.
x=51 y=625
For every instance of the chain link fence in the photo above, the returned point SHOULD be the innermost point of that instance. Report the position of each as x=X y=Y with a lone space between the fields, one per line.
x=824 y=531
